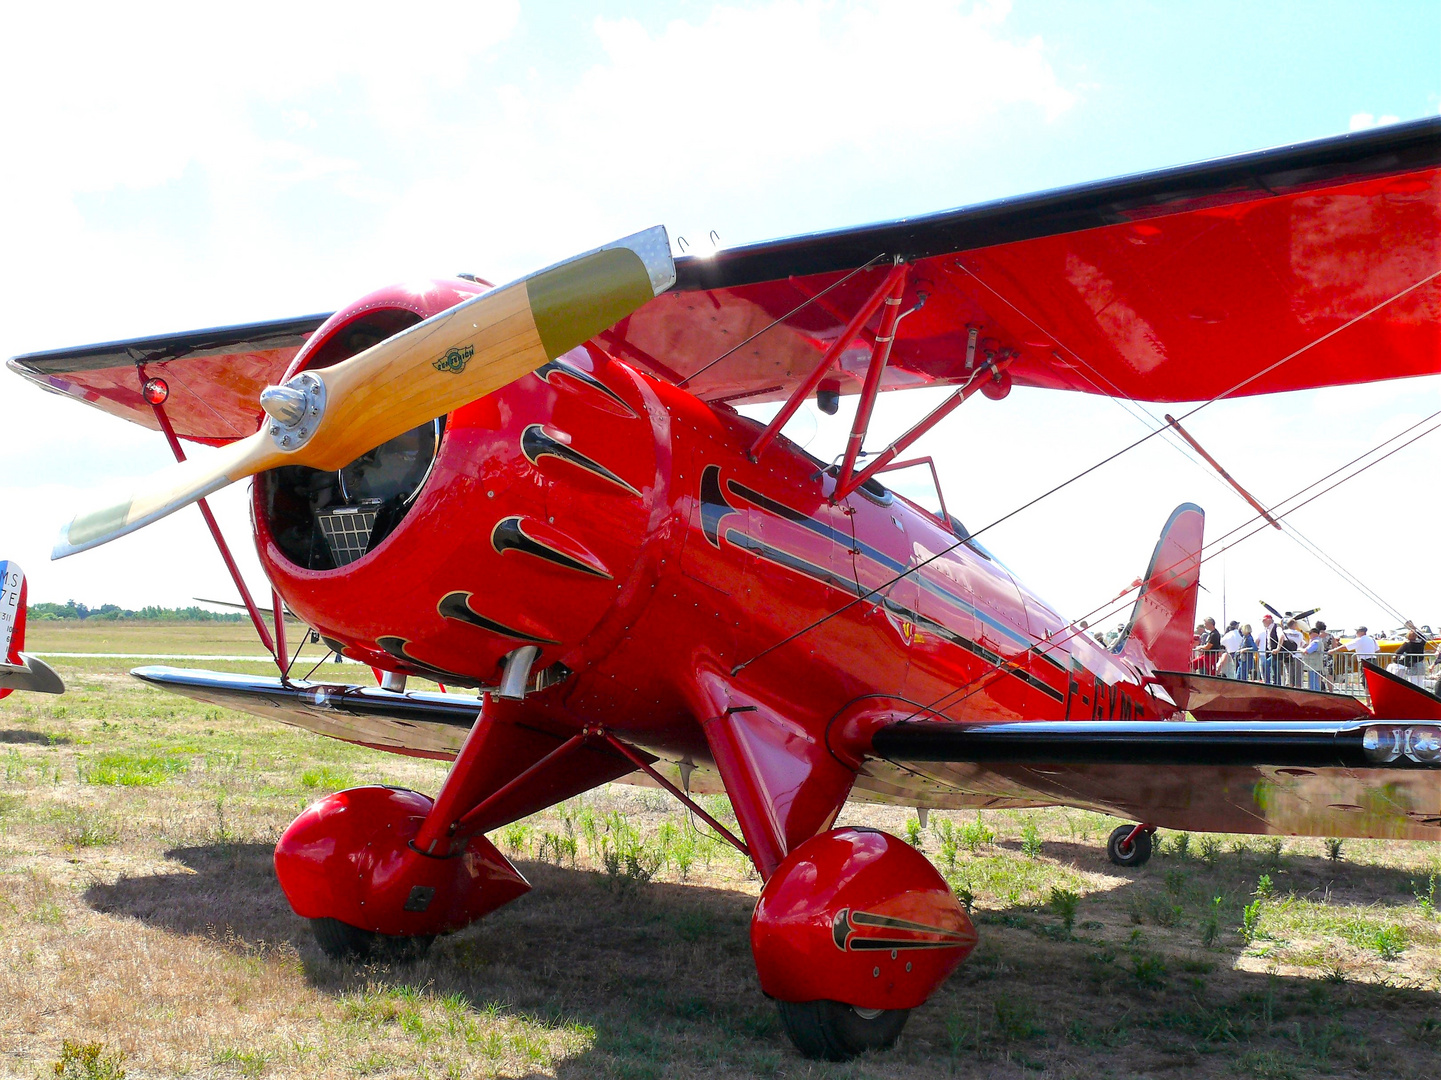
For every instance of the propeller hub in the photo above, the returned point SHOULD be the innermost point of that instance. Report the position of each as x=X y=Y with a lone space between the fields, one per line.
x=294 y=409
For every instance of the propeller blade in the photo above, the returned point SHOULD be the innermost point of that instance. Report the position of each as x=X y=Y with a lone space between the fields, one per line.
x=327 y=418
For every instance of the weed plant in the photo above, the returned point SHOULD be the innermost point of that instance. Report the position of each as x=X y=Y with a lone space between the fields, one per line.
x=88 y=1061
x=913 y=832
x=1030 y=840
x=1065 y=902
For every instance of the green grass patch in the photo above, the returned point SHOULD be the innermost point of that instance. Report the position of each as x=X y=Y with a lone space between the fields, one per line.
x=248 y=1062
x=1004 y=879
x=91 y=831
x=325 y=778
x=123 y=769
x=1366 y=928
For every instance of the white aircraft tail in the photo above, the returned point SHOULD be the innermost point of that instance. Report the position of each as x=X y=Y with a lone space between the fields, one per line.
x=17 y=670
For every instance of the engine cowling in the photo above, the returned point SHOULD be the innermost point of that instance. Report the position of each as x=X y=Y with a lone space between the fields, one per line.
x=519 y=519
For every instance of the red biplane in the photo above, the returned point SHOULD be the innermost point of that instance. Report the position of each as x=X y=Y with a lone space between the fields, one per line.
x=545 y=491
x=19 y=671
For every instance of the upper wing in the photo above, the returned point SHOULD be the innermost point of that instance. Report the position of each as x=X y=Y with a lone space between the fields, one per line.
x=215 y=376
x=1169 y=286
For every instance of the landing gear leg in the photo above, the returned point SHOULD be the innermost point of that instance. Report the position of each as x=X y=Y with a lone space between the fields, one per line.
x=832 y=1031
x=1130 y=845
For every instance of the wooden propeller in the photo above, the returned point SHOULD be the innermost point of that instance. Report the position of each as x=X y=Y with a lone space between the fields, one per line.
x=327 y=418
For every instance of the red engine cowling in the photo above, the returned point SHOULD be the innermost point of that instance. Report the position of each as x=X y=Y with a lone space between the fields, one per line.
x=857 y=916
x=517 y=520
x=348 y=857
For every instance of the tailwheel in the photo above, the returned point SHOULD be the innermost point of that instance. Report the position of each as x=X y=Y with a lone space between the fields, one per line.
x=1129 y=845
x=341 y=941
x=833 y=1031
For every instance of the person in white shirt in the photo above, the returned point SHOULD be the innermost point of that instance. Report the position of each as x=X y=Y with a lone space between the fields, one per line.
x=1232 y=641
x=1363 y=646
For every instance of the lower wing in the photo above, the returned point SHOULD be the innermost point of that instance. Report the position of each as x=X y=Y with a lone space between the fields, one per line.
x=1367 y=778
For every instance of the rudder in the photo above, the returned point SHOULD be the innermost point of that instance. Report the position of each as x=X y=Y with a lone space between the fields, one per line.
x=1160 y=633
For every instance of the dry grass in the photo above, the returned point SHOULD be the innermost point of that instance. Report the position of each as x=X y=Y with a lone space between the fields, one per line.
x=139 y=913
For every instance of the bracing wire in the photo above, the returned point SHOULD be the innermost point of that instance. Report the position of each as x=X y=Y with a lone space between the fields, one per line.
x=776 y=322
x=1119 y=603
x=322 y=660
x=1149 y=420
x=1248 y=380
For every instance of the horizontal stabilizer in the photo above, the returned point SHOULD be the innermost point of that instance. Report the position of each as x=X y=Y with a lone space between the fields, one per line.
x=1210 y=697
x=32 y=674
x=1398 y=697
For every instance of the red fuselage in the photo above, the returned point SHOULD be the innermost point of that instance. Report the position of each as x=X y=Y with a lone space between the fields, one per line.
x=617 y=522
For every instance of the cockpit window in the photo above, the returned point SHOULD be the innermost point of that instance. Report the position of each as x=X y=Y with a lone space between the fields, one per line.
x=963 y=533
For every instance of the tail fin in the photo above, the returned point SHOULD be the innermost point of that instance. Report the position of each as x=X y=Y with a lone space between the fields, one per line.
x=12 y=612
x=18 y=671
x=1161 y=631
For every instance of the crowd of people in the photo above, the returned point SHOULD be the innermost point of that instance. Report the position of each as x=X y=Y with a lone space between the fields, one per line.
x=1285 y=652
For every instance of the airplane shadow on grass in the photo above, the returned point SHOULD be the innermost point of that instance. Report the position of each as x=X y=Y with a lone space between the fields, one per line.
x=662 y=972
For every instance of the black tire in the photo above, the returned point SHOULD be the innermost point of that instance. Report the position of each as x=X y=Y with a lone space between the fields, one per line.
x=832 y=1031
x=341 y=941
x=1136 y=853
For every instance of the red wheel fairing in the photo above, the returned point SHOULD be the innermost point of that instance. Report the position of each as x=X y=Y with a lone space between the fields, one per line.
x=858 y=916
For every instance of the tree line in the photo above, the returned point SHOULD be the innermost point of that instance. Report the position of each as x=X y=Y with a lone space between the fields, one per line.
x=114 y=612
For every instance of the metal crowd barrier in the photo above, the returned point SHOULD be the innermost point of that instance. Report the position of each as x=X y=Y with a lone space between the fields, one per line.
x=1334 y=672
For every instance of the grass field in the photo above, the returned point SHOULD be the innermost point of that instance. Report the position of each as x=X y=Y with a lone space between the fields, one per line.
x=142 y=932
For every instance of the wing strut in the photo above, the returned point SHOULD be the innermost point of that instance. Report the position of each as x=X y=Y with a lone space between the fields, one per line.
x=894 y=281
x=989 y=374
x=880 y=356
x=155 y=391
x=1224 y=474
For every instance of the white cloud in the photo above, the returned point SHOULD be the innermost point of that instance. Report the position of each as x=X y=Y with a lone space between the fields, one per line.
x=183 y=166
x=1362 y=120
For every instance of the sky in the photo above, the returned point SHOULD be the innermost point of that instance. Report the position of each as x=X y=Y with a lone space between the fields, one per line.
x=173 y=166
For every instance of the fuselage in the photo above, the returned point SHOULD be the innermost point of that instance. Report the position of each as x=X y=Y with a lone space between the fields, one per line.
x=616 y=522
